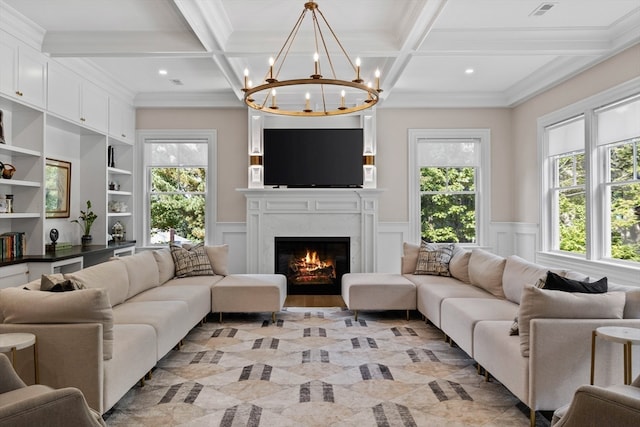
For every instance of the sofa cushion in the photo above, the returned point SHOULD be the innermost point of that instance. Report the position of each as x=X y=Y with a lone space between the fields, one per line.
x=219 y=258
x=409 y=257
x=555 y=282
x=517 y=274
x=459 y=264
x=485 y=271
x=542 y=303
x=143 y=272
x=107 y=275
x=81 y=306
x=166 y=267
x=434 y=259
x=191 y=262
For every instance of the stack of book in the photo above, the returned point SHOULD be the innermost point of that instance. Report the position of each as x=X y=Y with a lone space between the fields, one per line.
x=13 y=245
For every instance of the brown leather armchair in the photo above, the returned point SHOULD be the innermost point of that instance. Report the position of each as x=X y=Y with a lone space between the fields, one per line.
x=39 y=405
x=594 y=406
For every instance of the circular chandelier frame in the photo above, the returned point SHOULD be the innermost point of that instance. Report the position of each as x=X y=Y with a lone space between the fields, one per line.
x=267 y=89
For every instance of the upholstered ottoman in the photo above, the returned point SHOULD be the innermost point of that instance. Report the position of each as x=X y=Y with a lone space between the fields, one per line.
x=378 y=291
x=249 y=293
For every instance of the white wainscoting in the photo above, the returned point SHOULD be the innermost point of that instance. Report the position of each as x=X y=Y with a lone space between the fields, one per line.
x=506 y=238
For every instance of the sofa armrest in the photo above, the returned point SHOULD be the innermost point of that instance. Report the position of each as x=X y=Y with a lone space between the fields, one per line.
x=69 y=355
x=39 y=406
x=597 y=406
x=560 y=359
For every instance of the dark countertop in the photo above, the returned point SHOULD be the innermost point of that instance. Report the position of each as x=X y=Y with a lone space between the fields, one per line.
x=67 y=253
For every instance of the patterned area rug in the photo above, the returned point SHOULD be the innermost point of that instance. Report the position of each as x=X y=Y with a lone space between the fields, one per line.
x=318 y=367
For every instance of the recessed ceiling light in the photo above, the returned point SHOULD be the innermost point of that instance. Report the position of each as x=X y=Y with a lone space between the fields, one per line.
x=469 y=71
x=163 y=72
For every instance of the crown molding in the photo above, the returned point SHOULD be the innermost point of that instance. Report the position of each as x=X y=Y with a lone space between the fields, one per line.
x=225 y=99
x=21 y=27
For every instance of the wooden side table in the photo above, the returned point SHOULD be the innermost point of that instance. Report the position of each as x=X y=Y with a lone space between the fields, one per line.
x=626 y=336
x=17 y=341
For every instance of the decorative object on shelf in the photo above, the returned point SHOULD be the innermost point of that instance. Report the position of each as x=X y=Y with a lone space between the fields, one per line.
x=7 y=170
x=360 y=95
x=87 y=217
x=114 y=186
x=118 y=232
x=2 y=141
x=9 y=198
x=3 y=204
x=57 y=188
x=54 y=235
x=111 y=161
x=117 y=206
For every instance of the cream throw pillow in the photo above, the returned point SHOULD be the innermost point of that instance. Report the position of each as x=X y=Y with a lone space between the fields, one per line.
x=409 y=257
x=540 y=303
x=459 y=264
x=166 y=267
x=219 y=257
x=80 y=306
x=485 y=271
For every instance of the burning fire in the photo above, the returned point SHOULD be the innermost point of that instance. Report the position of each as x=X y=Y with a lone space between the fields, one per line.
x=310 y=268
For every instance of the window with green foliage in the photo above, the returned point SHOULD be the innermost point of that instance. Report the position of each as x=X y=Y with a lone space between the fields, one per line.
x=593 y=184
x=571 y=202
x=448 y=204
x=451 y=172
x=622 y=200
x=176 y=191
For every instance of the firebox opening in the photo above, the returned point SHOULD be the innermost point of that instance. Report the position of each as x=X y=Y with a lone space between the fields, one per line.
x=312 y=265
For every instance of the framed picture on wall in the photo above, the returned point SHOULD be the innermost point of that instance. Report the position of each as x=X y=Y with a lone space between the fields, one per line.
x=57 y=188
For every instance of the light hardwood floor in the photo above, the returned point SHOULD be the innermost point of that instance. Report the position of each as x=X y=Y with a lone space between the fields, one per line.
x=314 y=301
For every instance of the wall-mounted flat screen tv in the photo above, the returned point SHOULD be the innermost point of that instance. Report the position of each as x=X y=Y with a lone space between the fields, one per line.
x=313 y=157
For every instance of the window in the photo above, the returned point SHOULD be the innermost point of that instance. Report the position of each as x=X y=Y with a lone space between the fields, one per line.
x=568 y=206
x=618 y=141
x=450 y=172
x=591 y=178
x=177 y=183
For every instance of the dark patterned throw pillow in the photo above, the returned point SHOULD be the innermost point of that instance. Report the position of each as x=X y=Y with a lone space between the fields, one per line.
x=192 y=262
x=434 y=259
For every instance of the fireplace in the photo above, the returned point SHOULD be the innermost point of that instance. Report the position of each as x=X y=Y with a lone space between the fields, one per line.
x=312 y=265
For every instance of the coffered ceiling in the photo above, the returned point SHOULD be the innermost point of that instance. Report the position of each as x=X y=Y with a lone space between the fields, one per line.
x=423 y=48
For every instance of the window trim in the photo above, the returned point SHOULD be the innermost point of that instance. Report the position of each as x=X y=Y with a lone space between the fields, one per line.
x=483 y=183
x=593 y=262
x=143 y=220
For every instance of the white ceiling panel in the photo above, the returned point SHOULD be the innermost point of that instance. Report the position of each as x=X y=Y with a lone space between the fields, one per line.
x=422 y=47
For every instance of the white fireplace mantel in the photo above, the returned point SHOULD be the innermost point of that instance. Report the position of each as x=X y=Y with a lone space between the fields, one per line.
x=311 y=212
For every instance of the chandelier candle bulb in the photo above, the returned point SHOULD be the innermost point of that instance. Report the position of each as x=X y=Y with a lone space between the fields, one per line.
x=316 y=74
x=307 y=106
x=378 y=80
x=246 y=78
x=274 y=106
x=358 y=79
x=271 y=79
x=342 y=107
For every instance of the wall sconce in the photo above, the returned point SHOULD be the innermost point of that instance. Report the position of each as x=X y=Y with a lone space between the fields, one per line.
x=369 y=179
x=255 y=172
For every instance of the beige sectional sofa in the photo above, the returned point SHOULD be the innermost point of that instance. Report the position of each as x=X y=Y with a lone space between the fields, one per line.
x=476 y=306
x=106 y=338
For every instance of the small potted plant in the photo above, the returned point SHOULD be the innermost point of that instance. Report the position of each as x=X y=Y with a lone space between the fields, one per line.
x=87 y=217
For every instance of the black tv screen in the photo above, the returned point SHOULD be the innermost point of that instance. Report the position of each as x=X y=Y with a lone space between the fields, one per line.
x=313 y=157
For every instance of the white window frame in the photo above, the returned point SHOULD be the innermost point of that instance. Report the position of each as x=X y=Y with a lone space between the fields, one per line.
x=143 y=220
x=483 y=178
x=593 y=261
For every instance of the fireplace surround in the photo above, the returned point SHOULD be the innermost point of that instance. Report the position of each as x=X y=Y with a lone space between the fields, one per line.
x=317 y=212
